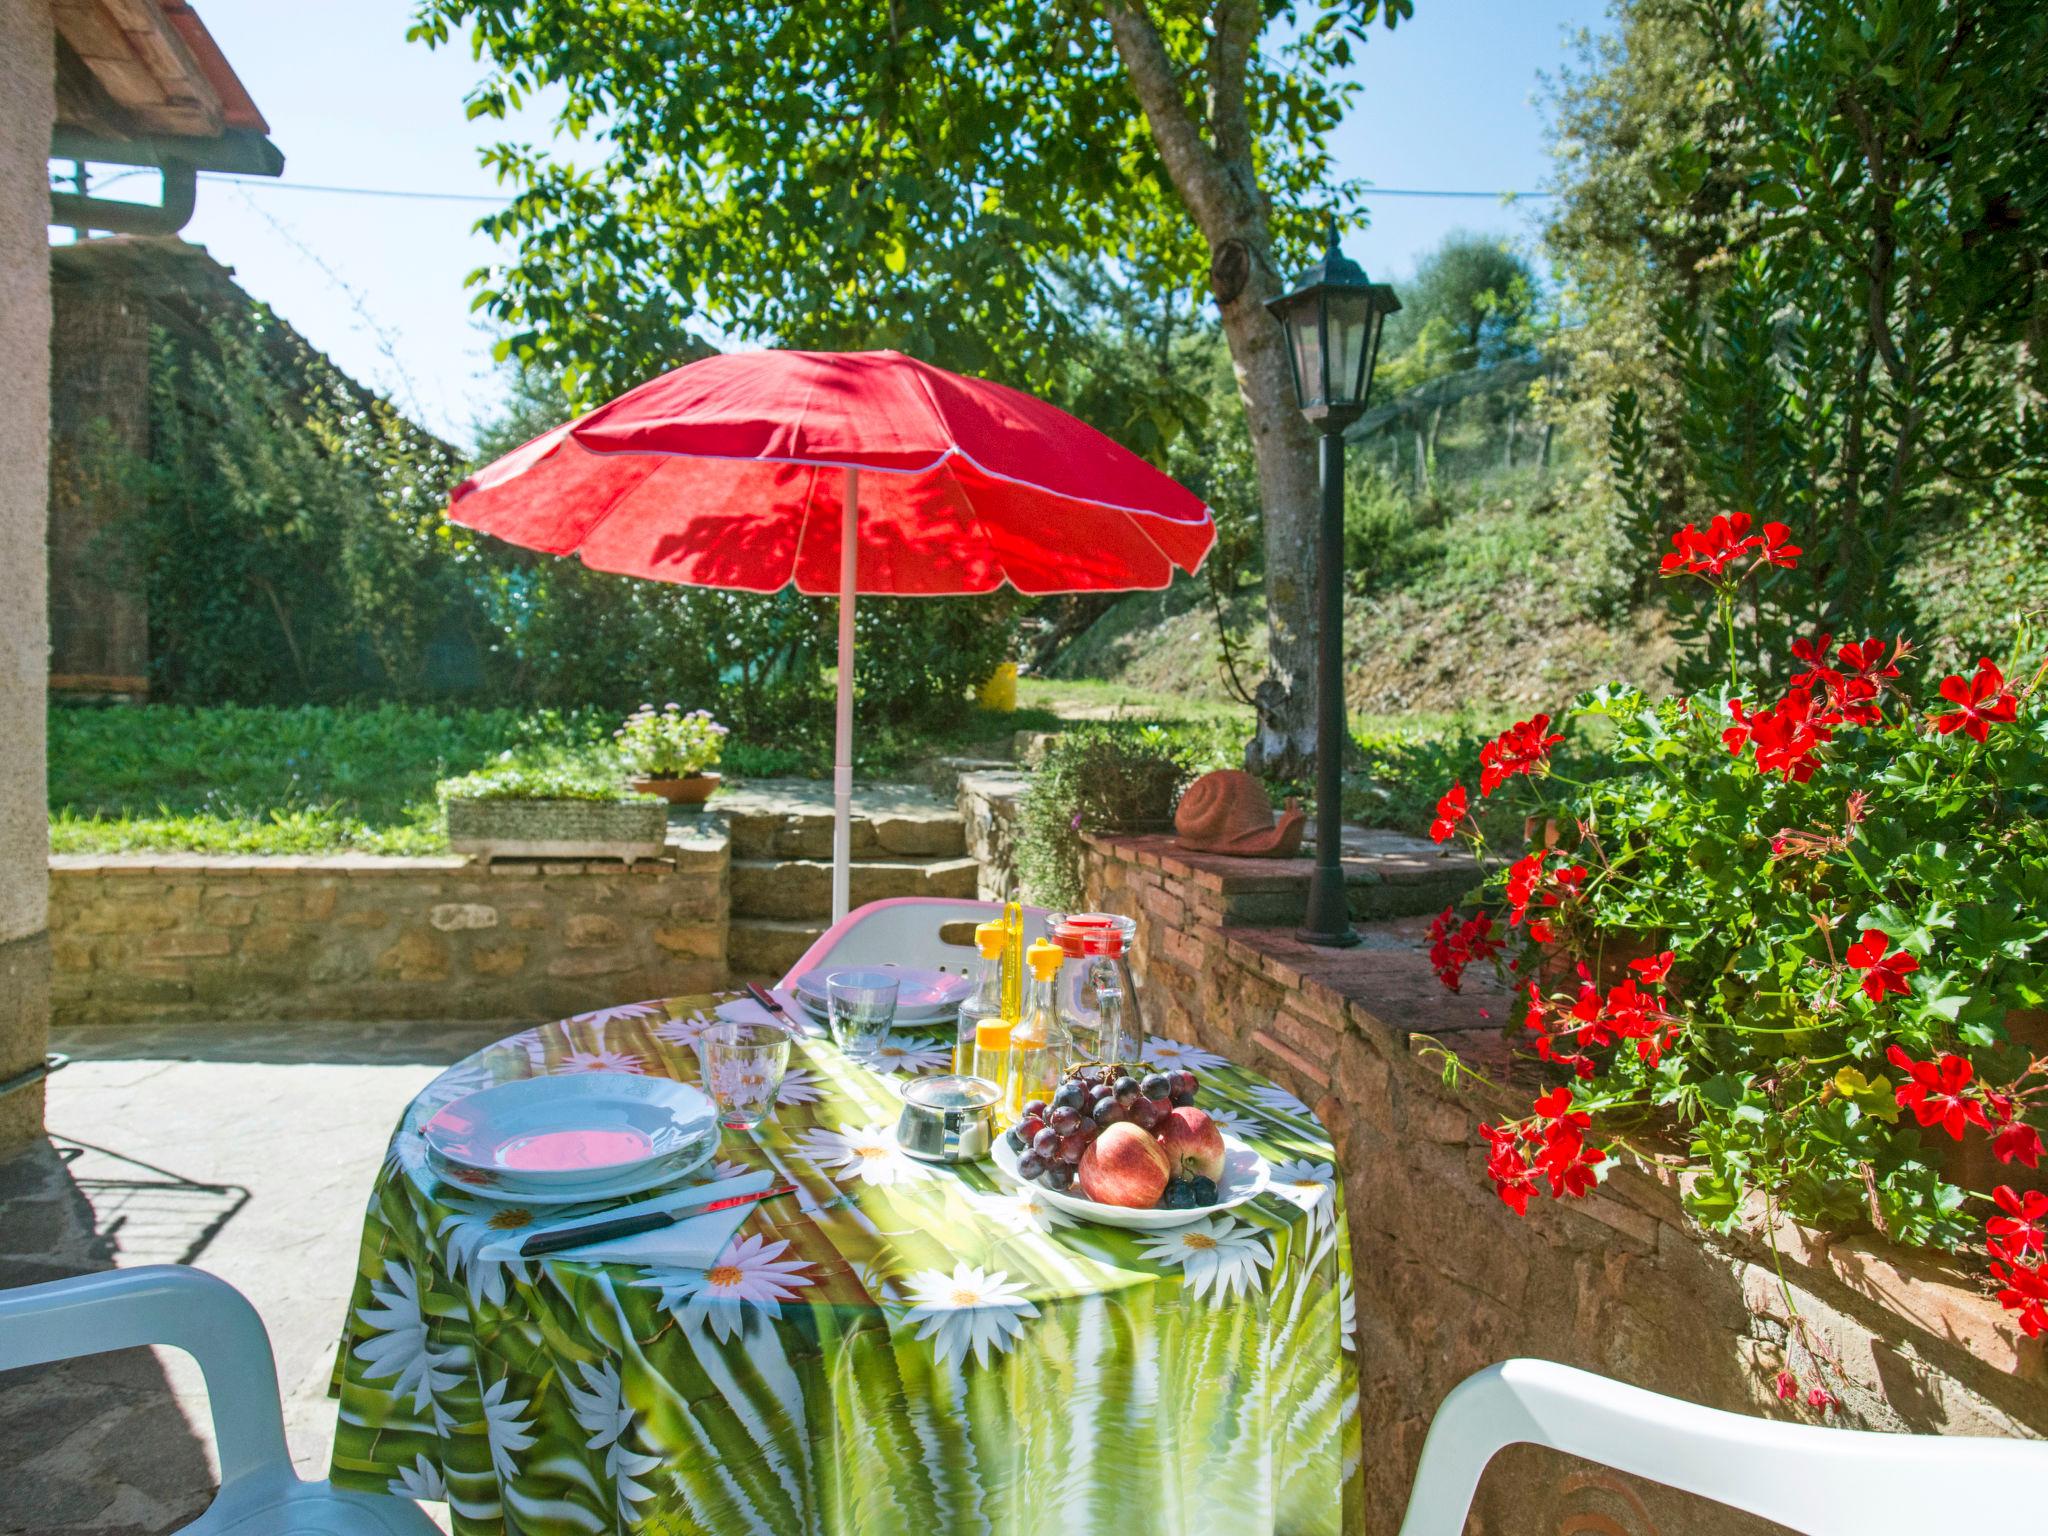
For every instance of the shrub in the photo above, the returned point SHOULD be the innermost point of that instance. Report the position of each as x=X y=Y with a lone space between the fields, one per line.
x=1794 y=931
x=1093 y=780
x=591 y=777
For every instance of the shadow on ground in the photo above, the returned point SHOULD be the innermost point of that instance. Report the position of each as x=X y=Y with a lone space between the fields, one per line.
x=245 y=1149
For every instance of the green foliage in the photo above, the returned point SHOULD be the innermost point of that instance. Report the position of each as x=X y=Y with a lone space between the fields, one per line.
x=291 y=544
x=1859 y=358
x=976 y=150
x=1096 y=779
x=668 y=743
x=1464 y=305
x=592 y=777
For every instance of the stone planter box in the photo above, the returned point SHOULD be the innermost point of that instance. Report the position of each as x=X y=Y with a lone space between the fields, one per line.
x=557 y=829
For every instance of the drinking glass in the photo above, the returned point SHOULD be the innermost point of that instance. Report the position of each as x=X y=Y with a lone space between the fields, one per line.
x=862 y=1006
x=743 y=1066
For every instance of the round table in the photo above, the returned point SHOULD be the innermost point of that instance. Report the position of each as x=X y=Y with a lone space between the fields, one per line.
x=897 y=1349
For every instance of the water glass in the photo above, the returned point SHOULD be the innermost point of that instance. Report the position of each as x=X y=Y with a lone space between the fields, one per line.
x=862 y=1006
x=743 y=1062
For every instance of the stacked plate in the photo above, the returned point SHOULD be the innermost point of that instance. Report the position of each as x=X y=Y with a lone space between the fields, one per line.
x=925 y=999
x=564 y=1140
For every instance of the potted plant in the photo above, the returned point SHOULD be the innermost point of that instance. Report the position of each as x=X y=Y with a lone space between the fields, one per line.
x=669 y=752
x=1797 y=920
x=557 y=810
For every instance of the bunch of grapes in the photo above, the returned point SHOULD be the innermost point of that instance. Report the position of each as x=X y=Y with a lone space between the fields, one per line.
x=1050 y=1138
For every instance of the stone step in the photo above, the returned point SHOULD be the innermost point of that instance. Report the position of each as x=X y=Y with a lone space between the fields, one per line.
x=792 y=819
x=802 y=888
x=764 y=948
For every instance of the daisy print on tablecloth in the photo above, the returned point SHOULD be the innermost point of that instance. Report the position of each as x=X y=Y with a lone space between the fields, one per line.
x=750 y=1273
x=467 y=1227
x=684 y=1033
x=606 y=1060
x=1219 y=1257
x=1235 y=1122
x=1020 y=1210
x=800 y=1085
x=421 y=1481
x=398 y=1349
x=868 y=1153
x=506 y=1427
x=600 y=1017
x=971 y=1311
x=1347 y=1312
x=1172 y=1056
x=1272 y=1096
x=601 y=1412
x=1312 y=1186
x=906 y=1054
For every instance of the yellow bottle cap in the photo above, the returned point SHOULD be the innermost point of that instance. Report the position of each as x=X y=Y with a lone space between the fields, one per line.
x=992 y=1034
x=989 y=938
x=1045 y=959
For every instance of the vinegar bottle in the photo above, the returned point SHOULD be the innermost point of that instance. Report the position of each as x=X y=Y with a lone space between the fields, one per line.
x=1040 y=1047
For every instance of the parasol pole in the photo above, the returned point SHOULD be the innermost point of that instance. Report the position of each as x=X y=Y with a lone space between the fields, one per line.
x=842 y=729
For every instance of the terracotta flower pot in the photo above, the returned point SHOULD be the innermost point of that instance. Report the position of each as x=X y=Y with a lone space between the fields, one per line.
x=694 y=790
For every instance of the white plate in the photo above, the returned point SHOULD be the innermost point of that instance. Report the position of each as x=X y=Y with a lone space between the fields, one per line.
x=569 y=1132
x=617 y=1187
x=920 y=993
x=1245 y=1176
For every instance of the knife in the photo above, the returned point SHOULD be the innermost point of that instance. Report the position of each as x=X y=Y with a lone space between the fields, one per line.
x=773 y=1004
x=558 y=1238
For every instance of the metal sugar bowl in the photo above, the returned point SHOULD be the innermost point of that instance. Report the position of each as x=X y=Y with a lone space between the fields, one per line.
x=948 y=1119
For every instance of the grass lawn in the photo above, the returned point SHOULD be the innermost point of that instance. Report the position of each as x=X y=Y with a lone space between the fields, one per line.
x=325 y=780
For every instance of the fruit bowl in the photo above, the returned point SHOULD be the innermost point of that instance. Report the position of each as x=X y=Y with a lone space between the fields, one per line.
x=1246 y=1175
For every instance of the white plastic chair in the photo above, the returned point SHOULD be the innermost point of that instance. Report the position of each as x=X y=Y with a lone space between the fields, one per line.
x=1825 y=1482
x=212 y=1322
x=905 y=931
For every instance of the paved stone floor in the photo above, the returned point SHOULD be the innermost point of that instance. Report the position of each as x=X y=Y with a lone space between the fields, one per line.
x=245 y=1149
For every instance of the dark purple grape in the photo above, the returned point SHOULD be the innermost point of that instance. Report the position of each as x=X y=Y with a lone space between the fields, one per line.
x=1156 y=1086
x=1046 y=1143
x=1034 y=1108
x=1016 y=1139
x=1179 y=1196
x=1181 y=1100
x=1030 y=1126
x=1126 y=1089
x=1063 y=1119
x=1148 y=1113
x=1060 y=1175
x=1073 y=1146
x=1109 y=1114
x=1030 y=1166
x=1181 y=1081
x=1071 y=1096
x=1205 y=1190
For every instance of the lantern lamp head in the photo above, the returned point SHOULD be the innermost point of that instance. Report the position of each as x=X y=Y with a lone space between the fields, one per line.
x=1334 y=316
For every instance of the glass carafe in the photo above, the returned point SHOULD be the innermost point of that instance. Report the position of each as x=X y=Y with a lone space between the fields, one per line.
x=1082 y=975
x=1041 y=1049
x=986 y=1000
x=1119 y=1036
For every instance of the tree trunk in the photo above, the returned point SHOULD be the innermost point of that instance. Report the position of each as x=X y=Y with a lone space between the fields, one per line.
x=1214 y=175
x=1514 y=420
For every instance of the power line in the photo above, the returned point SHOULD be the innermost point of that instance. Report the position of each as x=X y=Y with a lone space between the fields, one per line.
x=412 y=195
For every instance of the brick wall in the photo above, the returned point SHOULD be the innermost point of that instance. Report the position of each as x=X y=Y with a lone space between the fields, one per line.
x=1449 y=1280
x=187 y=936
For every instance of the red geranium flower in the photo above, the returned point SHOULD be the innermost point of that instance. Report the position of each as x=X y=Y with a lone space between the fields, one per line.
x=1708 y=553
x=2025 y=1291
x=1786 y=735
x=1938 y=1093
x=1814 y=653
x=1737 y=735
x=1450 y=810
x=1521 y=748
x=1774 y=546
x=2017 y=1142
x=1882 y=973
x=2019 y=1231
x=1570 y=1165
x=1866 y=660
x=1654 y=969
x=1788 y=1386
x=1981 y=702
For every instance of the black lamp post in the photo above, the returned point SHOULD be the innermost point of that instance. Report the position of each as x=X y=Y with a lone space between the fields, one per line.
x=1333 y=316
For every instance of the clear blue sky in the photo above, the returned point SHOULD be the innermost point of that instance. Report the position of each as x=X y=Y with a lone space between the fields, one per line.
x=377 y=283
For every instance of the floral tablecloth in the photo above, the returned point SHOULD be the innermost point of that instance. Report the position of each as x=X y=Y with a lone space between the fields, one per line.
x=898 y=1349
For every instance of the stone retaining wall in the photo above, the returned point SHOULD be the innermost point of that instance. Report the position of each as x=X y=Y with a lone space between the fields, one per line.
x=1449 y=1280
x=187 y=936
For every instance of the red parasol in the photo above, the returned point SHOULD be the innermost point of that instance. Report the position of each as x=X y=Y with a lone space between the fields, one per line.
x=753 y=470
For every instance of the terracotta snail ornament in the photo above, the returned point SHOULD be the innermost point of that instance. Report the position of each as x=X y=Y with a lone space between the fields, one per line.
x=1229 y=811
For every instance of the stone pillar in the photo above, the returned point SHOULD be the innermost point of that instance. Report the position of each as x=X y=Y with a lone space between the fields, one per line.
x=27 y=112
